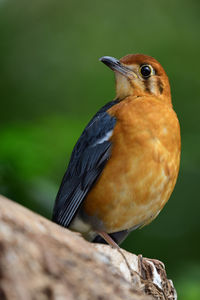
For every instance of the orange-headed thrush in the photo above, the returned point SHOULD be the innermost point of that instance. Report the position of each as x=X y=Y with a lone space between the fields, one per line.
x=125 y=164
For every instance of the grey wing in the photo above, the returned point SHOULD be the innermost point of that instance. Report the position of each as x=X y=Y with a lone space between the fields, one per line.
x=88 y=159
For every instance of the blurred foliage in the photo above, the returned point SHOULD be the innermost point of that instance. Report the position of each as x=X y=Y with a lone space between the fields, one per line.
x=52 y=83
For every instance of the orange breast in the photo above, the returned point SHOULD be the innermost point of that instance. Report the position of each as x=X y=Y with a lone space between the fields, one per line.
x=141 y=174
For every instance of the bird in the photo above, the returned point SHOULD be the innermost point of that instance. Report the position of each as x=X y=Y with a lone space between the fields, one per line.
x=124 y=167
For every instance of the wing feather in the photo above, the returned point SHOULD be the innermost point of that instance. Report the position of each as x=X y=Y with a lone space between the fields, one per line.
x=89 y=156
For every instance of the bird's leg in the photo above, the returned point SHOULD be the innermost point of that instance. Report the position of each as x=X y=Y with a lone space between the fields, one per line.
x=108 y=239
x=114 y=245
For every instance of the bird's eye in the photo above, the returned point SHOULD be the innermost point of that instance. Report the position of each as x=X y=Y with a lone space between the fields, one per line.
x=146 y=71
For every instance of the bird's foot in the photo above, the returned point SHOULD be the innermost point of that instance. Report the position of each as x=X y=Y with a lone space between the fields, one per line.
x=114 y=245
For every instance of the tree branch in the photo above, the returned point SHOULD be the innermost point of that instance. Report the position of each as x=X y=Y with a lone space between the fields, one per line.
x=40 y=260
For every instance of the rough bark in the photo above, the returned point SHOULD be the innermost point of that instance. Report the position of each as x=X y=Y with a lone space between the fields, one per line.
x=40 y=260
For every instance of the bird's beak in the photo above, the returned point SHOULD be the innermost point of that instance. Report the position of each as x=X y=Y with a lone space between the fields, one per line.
x=115 y=65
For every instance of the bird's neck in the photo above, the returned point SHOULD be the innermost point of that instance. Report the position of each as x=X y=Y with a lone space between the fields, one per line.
x=125 y=88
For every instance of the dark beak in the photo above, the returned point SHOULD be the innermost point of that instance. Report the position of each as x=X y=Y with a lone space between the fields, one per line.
x=115 y=65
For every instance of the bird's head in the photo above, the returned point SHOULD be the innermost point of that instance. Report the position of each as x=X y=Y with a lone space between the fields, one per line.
x=139 y=75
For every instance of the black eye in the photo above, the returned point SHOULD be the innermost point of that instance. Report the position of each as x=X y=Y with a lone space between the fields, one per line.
x=146 y=71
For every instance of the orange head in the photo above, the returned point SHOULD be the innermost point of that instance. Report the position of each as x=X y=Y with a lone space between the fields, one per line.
x=139 y=75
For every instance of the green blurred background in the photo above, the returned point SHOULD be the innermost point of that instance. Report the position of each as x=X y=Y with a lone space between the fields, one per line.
x=51 y=84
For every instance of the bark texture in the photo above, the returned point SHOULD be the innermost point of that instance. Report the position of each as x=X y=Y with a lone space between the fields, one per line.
x=40 y=260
